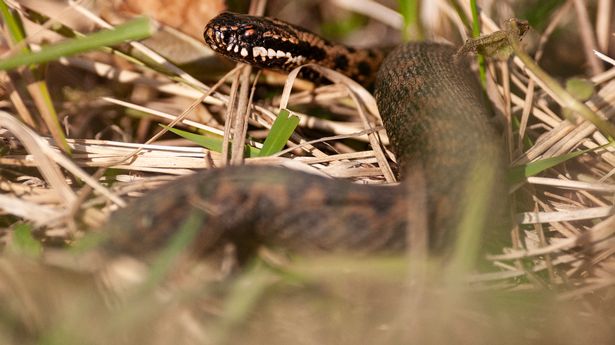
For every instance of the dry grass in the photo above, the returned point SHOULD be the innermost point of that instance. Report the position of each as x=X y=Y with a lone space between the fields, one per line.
x=554 y=284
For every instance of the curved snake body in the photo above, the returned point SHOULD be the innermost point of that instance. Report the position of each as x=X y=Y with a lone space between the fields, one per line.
x=439 y=125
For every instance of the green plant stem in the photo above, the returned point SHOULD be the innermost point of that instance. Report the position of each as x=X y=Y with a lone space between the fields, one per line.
x=37 y=87
x=133 y=30
x=410 y=10
x=13 y=24
x=482 y=71
x=565 y=99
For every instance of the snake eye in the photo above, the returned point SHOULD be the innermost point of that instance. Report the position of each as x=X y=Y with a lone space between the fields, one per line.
x=249 y=32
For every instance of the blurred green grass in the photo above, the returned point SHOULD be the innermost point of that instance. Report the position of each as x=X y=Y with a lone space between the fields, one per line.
x=328 y=299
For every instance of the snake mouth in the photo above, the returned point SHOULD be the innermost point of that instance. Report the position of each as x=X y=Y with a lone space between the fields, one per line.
x=259 y=41
x=226 y=41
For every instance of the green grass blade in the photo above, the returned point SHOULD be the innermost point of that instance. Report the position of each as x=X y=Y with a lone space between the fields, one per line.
x=211 y=143
x=13 y=23
x=410 y=12
x=519 y=173
x=24 y=243
x=471 y=225
x=243 y=300
x=42 y=98
x=563 y=98
x=281 y=130
x=179 y=243
x=482 y=72
x=38 y=89
x=136 y=29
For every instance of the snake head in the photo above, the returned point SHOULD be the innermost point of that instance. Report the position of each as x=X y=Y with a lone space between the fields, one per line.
x=260 y=41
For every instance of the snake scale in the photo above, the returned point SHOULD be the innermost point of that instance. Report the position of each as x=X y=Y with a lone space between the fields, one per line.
x=435 y=115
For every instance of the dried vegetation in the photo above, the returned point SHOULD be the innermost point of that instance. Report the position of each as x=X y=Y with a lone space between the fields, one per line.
x=552 y=284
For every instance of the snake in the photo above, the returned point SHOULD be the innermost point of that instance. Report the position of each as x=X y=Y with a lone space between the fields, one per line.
x=441 y=129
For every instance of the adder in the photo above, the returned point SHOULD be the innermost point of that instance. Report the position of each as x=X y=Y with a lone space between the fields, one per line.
x=440 y=128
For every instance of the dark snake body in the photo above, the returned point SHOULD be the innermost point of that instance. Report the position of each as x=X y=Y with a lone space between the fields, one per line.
x=439 y=125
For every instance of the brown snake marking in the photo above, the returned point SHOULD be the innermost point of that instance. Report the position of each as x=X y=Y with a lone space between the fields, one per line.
x=440 y=129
